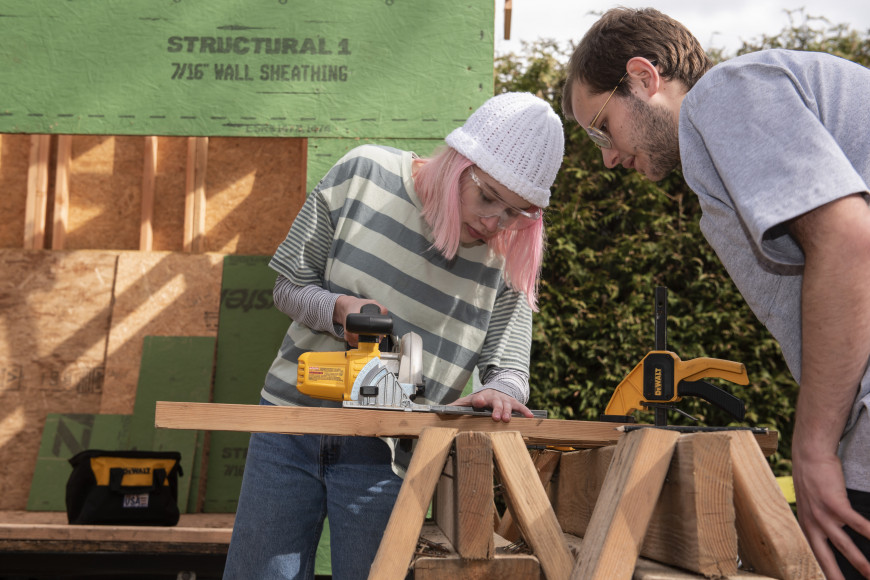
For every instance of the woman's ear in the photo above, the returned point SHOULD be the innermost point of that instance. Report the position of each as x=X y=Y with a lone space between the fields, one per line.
x=643 y=76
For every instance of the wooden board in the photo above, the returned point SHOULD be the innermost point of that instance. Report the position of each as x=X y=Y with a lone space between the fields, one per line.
x=14 y=159
x=406 y=521
x=52 y=350
x=438 y=560
x=770 y=539
x=473 y=499
x=248 y=178
x=651 y=570
x=105 y=193
x=44 y=532
x=156 y=294
x=250 y=333
x=695 y=509
x=372 y=423
x=529 y=504
x=545 y=461
x=619 y=522
x=581 y=475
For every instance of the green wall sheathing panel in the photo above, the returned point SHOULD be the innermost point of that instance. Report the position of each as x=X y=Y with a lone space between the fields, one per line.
x=173 y=368
x=296 y=68
x=250 y=332
x=63 y=436
x=323 y=153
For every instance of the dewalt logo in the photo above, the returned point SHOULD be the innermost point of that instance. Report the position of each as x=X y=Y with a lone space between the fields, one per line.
x=137 y=470
x=658 y=382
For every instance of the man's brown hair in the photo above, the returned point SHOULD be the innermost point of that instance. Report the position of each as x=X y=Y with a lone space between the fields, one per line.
x=621 y=34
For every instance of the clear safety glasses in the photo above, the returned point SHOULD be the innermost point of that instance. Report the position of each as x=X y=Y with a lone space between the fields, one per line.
x=487 y=204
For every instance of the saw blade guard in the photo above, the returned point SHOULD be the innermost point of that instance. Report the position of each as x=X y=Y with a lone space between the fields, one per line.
x=411 y=359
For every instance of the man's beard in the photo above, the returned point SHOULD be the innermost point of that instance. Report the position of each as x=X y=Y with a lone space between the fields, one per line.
x=657 y=134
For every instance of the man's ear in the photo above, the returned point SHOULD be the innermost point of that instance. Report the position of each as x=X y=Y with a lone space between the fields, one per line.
x=644 y=77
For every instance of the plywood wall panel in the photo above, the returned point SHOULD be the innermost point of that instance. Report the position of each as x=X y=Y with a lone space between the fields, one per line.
x=156 y=294
x=254 y=189
x=168 y=220
x=54 y=323
x=105 y=193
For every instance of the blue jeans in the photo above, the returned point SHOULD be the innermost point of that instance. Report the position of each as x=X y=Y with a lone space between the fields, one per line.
x=291 y=483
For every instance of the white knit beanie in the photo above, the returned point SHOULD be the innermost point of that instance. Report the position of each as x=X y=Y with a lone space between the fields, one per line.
x=518 y=140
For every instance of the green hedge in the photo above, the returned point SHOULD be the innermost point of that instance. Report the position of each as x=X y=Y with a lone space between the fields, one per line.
x=613 y=237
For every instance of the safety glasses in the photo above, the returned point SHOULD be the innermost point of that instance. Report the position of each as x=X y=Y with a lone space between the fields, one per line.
x=487 y=204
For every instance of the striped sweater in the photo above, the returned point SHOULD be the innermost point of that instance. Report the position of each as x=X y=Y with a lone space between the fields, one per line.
x=360 y=233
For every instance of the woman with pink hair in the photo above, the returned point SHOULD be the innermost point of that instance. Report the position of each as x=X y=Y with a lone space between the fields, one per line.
x=449 y=246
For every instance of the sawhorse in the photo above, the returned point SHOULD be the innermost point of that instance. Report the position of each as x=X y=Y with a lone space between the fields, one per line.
x=770 y=541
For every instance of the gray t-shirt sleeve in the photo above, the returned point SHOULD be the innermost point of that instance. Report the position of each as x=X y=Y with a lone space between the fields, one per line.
x=757 y=129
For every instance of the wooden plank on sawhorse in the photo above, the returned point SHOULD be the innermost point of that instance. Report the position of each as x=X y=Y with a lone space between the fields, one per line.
x=379 y=423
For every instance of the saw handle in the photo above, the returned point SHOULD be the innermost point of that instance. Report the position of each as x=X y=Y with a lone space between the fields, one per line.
x=369 y=323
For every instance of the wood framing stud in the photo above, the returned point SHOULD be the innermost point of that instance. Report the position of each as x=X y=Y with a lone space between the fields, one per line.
x=149 y=174
x=37 y=192
x=194 y=200
x=61 y=192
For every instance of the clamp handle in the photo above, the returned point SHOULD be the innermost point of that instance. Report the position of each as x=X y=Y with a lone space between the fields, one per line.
x=722 y=399
x=699 y=368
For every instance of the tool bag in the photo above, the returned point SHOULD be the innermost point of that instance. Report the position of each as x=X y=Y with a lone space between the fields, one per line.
x=124 y=488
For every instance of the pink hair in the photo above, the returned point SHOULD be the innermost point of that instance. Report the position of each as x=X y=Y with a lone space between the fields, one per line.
x=437 y=184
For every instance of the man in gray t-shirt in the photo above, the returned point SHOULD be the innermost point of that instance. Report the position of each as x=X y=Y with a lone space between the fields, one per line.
x=776 y=145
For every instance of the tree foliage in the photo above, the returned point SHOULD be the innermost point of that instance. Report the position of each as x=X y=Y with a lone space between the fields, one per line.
x=613 y=237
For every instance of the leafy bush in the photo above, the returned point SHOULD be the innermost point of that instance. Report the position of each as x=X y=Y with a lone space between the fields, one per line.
x=613 y=237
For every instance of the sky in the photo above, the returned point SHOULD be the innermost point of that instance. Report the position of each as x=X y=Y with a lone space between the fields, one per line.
x=720 y=24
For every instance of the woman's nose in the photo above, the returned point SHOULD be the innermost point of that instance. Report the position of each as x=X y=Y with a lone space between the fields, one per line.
x=490 y=222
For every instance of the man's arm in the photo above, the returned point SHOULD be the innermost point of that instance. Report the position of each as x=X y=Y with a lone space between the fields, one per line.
x=835 y=313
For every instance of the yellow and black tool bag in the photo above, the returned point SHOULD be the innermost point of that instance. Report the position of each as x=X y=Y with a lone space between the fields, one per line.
x=124 y=488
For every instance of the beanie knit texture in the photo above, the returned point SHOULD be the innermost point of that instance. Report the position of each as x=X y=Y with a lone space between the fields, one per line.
x=516 y=138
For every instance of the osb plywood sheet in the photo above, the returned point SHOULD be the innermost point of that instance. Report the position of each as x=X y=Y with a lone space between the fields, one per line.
x=14 y=161
x=254 y=189
x=105 y=192
x=167 y=222
x=54 y=325
x=156 y=294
